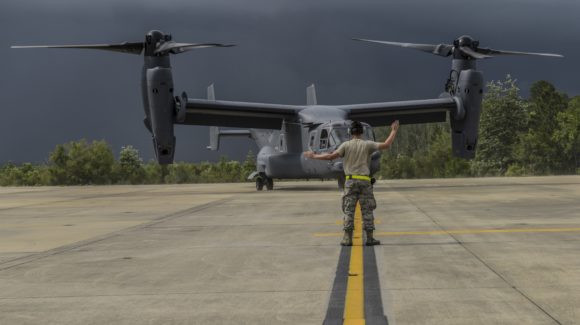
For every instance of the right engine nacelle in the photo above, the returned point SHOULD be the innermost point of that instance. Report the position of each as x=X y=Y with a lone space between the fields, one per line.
x=464 y=130
x=161 y=113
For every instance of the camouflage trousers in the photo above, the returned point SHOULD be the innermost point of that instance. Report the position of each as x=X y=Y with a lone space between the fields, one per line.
x=361 y=191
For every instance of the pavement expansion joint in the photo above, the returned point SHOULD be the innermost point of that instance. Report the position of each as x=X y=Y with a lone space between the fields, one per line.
x=87 y=197
x=66 y=248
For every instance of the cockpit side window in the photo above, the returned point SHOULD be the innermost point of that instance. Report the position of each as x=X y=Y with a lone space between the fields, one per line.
x=323 y=139
x=312 y=139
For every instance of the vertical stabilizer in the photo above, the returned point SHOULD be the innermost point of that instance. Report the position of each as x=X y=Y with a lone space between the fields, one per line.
x=311 y=95
x=214 y=138
x=214 y=131
x=210 y=92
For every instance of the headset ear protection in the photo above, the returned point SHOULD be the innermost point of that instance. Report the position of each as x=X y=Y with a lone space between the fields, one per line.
x=355 y=125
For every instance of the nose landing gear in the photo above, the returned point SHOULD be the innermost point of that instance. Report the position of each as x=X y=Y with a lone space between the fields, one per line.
x=263 y=180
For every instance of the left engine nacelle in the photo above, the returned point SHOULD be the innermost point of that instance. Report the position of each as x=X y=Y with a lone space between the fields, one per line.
x=161 y=112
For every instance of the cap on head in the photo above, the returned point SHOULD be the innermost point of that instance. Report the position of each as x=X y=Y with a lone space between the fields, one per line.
x=356 y=127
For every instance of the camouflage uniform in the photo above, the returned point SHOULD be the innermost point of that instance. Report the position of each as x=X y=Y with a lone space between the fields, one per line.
x=361 y=191
x=357 y=158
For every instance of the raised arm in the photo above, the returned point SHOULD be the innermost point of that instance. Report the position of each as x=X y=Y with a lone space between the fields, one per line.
x=322 y=156
x=391 y=138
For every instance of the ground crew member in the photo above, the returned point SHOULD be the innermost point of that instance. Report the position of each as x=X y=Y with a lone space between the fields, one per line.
x=357 y=157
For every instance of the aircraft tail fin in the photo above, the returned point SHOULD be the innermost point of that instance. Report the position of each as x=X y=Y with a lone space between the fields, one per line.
x=214 y=138
x=214 y=131
x=311 y=95
x=210 y=92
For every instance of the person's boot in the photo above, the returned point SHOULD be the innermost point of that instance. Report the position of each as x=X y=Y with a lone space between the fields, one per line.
x=371 y=241
x=347 y=239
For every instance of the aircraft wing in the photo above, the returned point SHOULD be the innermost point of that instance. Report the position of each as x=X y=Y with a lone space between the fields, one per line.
x=407 y=112
x=238 y=114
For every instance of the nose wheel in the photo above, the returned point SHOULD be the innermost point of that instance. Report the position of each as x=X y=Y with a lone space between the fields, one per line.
x=259 y=184
x=266 y=181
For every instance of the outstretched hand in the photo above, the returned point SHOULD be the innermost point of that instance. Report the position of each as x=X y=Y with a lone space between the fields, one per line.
x=395 y=125
x=308 y=154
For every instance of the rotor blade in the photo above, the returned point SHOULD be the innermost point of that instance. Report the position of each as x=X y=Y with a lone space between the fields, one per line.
x=176 y=48
x=439 y=49
x=126 y=47
x=501 y=52
x=472 y=53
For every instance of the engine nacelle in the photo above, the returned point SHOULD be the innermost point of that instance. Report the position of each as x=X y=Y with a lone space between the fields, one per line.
x=464 y=130
x=161 y=112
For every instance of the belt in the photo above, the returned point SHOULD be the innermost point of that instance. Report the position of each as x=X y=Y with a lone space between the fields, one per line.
x=361 y=177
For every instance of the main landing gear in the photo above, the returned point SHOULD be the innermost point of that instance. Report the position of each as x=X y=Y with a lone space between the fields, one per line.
x=263 y=180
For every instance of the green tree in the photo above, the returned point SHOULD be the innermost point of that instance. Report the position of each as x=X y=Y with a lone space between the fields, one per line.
x=568 y=133
x=154 y=173
x=395 y=166
x=26 y=174
x=248 y=166
x=538 y=152
x=181 y=173
x=439 y=161
x=80 y=163
x=422 y=151
x=58 y=160
x=205 y=171
x=226 y=171
x=130 y=166
x=503 y=119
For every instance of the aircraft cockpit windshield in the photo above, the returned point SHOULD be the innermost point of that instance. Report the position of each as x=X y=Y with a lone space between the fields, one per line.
x=338 y=136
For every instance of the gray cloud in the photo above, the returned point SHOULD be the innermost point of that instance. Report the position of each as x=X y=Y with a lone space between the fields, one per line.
x=54 y=96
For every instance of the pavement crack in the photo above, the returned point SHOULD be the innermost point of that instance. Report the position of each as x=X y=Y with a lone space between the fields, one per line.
x=88 y=197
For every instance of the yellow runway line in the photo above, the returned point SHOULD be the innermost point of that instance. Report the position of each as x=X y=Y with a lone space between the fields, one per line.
x=354 y=305
x=477 y=231
x=341 y=222
x=459 y=232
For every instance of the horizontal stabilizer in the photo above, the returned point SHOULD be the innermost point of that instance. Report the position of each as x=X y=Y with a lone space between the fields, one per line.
x=215 y=133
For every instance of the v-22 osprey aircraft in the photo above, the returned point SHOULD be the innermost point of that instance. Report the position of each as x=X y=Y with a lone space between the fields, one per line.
x=283 y=132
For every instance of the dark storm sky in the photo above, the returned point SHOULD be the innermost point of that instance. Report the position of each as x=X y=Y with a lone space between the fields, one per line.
x=49 y=97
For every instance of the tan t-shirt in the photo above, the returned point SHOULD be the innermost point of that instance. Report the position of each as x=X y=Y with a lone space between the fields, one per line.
x=357 y=156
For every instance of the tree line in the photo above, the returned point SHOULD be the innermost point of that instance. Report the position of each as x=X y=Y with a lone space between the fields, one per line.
x=93 y=163
x=535 y=136
x=517 y=137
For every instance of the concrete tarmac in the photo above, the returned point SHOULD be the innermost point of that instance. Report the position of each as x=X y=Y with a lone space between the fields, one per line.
x=456 y=251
